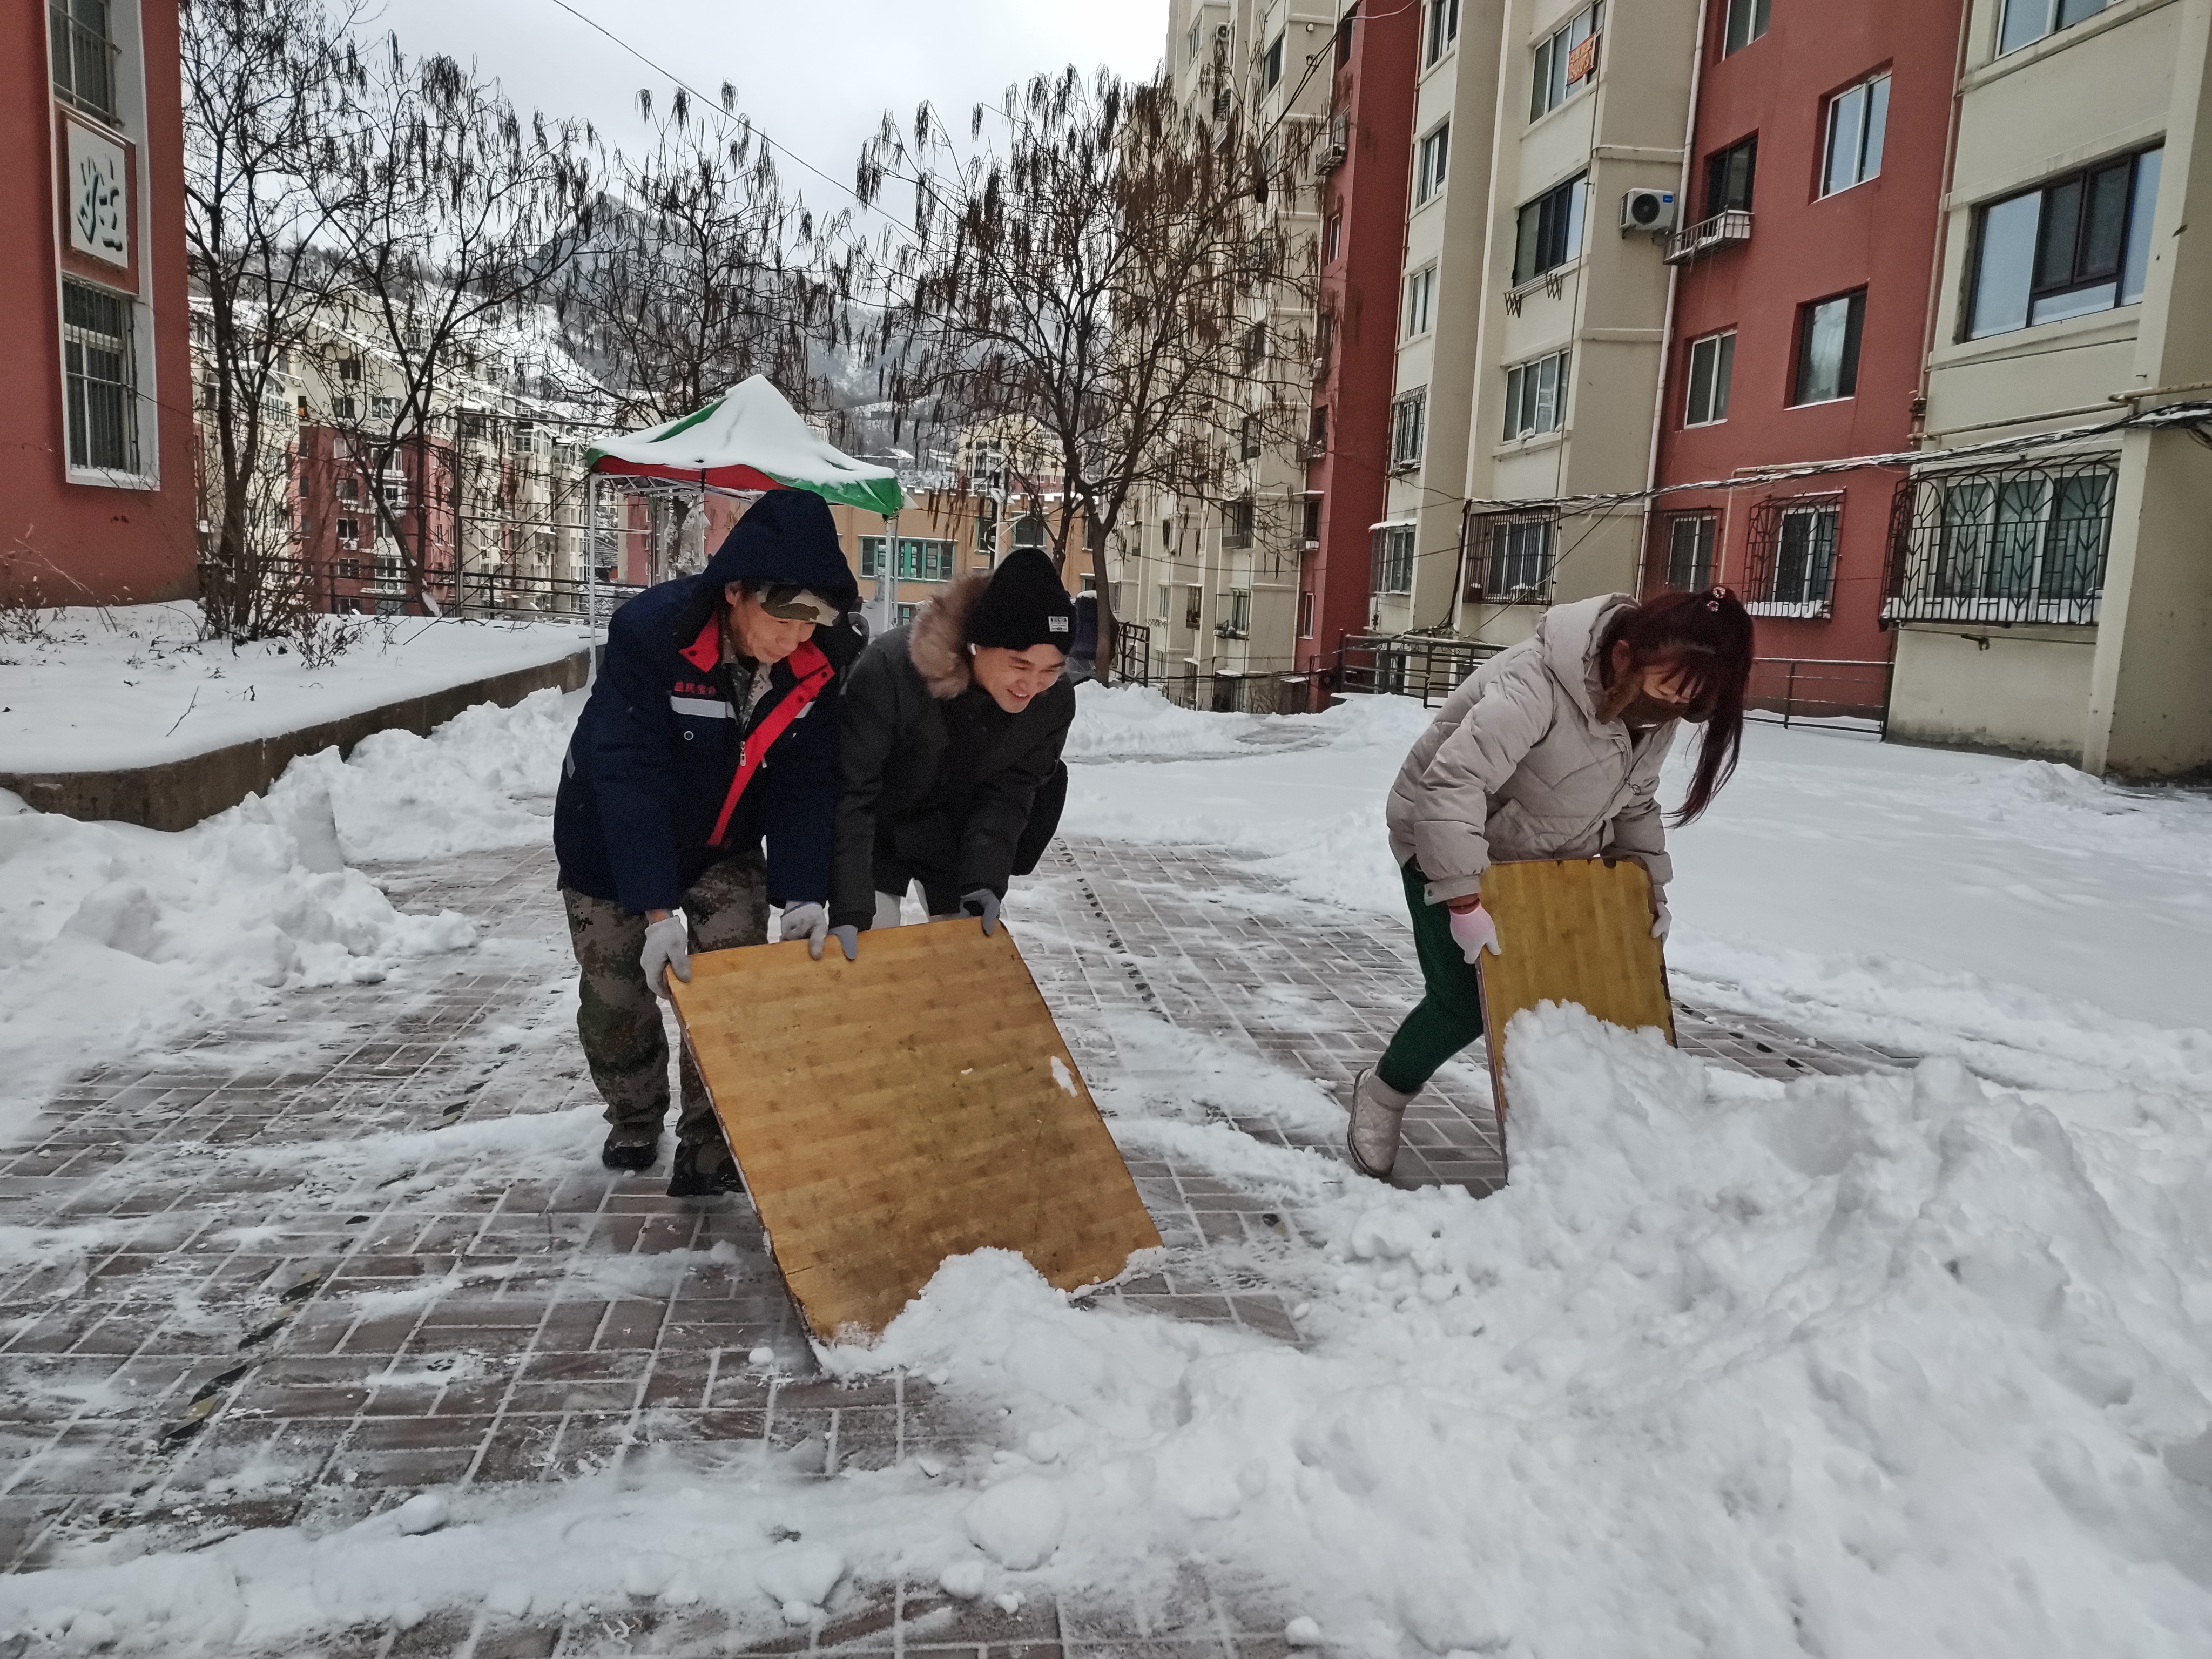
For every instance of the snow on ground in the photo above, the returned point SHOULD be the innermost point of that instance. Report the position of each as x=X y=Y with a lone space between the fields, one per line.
x=1910 y=1362
x=113 y=937
x=137 y=686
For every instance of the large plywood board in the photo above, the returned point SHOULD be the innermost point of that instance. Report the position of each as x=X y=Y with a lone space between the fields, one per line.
x=1574 y=930
x=913 y=1105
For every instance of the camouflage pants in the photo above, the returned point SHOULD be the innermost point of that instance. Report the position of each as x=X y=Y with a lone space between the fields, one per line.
x=618 y=1017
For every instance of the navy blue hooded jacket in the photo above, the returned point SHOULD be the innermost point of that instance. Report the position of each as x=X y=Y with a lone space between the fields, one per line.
x=649 y=768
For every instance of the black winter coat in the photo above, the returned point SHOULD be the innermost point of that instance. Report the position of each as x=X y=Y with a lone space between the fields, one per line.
x=894 y=738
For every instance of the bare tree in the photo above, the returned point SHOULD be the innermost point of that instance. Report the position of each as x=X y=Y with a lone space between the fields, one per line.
x=450 y=214
x=1106 y=267
x=698 y=271
x=264 y=81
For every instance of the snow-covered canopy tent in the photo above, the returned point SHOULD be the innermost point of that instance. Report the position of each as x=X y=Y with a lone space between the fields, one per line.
x=748 y=439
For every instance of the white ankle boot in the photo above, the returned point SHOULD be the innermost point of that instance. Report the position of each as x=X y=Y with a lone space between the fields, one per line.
x=1377 y=1110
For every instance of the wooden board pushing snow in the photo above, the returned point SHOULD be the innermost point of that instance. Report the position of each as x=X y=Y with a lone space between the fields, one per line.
x=1574 y=930
x=913 y=1105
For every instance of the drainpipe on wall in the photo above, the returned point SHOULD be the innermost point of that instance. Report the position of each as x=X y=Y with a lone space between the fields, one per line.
x=1942 y=226
x=1666 y=323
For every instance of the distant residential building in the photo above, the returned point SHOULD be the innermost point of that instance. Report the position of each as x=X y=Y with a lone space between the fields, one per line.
x=96 y=456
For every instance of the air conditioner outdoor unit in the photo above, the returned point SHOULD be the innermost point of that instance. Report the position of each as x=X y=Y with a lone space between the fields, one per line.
x=1221 y=32
x=1647 y=210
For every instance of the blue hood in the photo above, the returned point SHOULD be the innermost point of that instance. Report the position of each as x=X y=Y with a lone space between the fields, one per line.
x=787 y=536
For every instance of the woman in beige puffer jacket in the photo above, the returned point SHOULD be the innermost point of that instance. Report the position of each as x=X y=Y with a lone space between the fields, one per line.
x=1551 y=749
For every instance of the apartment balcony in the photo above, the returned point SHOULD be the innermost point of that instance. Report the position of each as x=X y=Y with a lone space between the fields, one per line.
x=1726 y=229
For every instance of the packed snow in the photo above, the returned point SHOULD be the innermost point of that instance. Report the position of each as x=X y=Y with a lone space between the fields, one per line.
x=93 y=689
x=1907 y=1363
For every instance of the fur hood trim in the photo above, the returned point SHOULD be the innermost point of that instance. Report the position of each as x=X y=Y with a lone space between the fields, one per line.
x=937 y=640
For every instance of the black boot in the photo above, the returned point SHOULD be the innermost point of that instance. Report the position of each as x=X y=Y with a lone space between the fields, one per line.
x=687 y=1180
x=625 y=1152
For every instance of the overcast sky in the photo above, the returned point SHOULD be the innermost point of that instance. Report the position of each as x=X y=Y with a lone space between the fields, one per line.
x=816 y=76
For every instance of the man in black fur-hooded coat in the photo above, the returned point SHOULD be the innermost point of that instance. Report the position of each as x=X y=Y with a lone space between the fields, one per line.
x=952 y=729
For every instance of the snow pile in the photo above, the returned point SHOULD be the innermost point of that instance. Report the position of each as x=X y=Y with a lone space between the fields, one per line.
x=1129 y=722
x=113 y=939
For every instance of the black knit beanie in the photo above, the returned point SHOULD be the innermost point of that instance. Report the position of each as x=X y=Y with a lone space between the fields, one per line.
x=1023 y=604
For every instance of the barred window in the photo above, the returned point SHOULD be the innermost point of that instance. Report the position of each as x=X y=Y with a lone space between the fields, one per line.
x=1393 y=558
x=1513 y=559
x=84 y=55
x=1791 y=568
x=1408 y=427
x=2014 y=544
x=1690 y=550
x=103 y=403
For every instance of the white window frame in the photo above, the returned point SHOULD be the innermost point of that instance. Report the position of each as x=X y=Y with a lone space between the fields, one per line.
x=1443 y=32
x=1548 y=86
x=1864 y=106
x=1536 y=395
x=1743 y=22
x=1704 y=531
x=1432 y=158
x=2045 y=17
x=1409 y=418
x=1393 y=558
x=1421 y=302
x=1270 y=63
x=1719 y=350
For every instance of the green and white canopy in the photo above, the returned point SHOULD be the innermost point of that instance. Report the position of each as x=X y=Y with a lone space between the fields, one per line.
x=749 y=438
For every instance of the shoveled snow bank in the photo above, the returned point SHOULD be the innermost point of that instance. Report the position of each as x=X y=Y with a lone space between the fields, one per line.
x=113 y=937
x=137 y=685
x=1129 y=722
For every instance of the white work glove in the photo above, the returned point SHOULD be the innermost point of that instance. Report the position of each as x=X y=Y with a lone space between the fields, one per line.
x=985 y=904
x=810 y=922
x=1475 y=932
x=667 y=944
x=848 y=940
x=1662 y=919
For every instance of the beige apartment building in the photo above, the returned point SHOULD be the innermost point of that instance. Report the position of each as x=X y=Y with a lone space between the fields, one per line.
x=2056 y=599
x=1215 y=582
x=1532 y=322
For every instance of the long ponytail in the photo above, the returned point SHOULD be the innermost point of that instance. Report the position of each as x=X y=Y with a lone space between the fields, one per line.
x=1707 y=636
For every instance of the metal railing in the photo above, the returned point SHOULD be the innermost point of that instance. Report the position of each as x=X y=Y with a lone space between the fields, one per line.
x=1829 y=689
x=1730 y=227
x=1424 y=665
x=1250 y=692
x=2001 y=544
x=1132 y=654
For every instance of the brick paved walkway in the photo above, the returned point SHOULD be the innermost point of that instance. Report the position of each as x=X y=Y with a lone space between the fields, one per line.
x=293 y=1277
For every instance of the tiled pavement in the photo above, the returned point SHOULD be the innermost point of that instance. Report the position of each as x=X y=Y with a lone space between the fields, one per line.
x=283 y=1284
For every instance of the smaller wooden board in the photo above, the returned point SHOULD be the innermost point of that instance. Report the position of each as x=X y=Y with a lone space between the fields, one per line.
x=1570 y=930
x=896 y=1111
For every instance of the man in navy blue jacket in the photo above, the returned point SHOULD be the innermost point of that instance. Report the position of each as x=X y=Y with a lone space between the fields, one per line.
x=712 y=729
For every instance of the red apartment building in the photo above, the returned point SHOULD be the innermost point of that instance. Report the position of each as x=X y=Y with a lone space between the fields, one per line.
x=1801 y=309
x=1366 y=150
x=96 y=453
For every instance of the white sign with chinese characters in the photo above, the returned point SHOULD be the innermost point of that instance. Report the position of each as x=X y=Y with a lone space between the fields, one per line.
x=98 y=198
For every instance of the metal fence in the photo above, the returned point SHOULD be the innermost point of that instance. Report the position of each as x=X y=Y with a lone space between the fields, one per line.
x=364 y=586
x=2001 y=544
x=1424 y=665
x=1825 y=688
x=1132 y=653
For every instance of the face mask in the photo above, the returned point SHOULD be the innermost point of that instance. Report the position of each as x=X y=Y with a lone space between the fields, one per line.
x=1643 y=712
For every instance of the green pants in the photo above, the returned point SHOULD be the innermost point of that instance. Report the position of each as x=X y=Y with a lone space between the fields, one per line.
x=1449 y=1016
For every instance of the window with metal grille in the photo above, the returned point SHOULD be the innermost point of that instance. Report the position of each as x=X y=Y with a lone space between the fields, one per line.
x=1566 y=61
x=1408 y=423
x=103 y=402
x=1393 y=571
x=1856 y=120
x=1550 y=231
x=1536 y=396
x=2023 y=544
x=2078 y=244
x=83 y=57
x=1791 y=567
x=1513 y=559
x=1690 y=550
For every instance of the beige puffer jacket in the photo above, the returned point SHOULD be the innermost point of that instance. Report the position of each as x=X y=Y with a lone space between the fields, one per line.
x=1517 y=765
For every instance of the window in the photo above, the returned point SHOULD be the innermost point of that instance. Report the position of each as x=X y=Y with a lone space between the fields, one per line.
x=1550 y=232
x=1335 y=239
x=1408 y=423
x=1747 y=21
x=1711 y=360
x=2013 y=544
x=1690 y=550
x=1429 y=165
x=1311 y=527
x=1255 y=348
x=1420 y=301
x=349 y=570
x=1237 y=523
x=1566 y=61
x=1305 y=614
x=1394 y=559
x=348 y=532
x=1792 y=553
x=919 y=560
x=1318 y=431
x=1729 y=175
x=1167 y=602
x=1194 y=24
x=1520 y=563
x=1344 y=41
x=1828 y=349
x=1238 y=622
x=103 y=393
x=1443 y=26
x=907 y=613
x=1271 y=66
x=348 y=488
x=2078 y=244
x=1536 y=396
x=1856 y=119
x=1190 y=607
x=1248 y=438
x=2029 y=20
x=83 y=57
